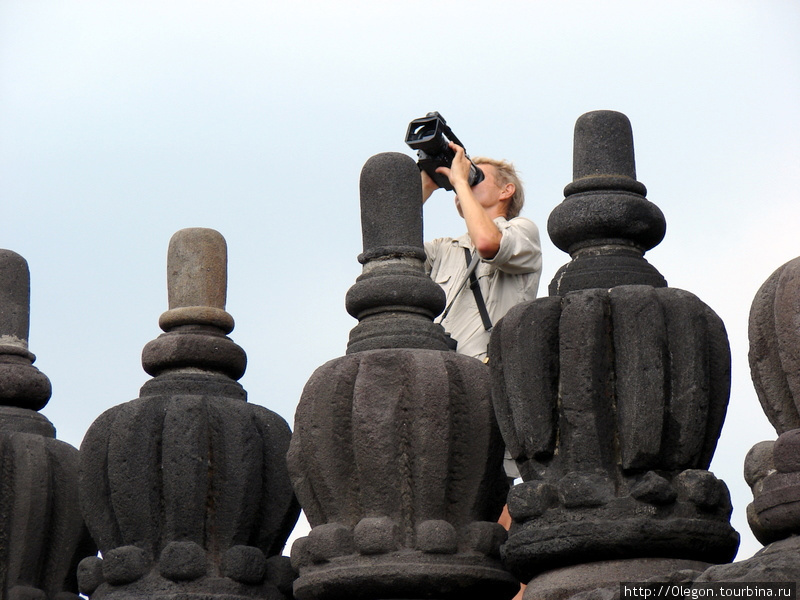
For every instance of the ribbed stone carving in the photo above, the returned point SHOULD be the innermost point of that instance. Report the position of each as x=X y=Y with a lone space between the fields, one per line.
x=773 y=469
x=611 y=393
x=42 y=535
x=185 y=489
x=396 y=458
x=612 y=404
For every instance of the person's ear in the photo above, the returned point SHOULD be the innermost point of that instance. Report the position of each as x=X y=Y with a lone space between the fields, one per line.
x=507 y=191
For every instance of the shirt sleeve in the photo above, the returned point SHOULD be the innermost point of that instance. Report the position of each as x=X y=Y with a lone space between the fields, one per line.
x=431 y=249
x=520 y=250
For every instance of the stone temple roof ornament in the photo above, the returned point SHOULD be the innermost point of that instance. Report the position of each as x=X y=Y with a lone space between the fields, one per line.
x=42 y=535
x=185 y=489
x=610 y=394
x=605 y=222
x=396 y=457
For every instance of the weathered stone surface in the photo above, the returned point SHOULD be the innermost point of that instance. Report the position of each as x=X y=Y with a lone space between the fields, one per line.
x=21 y=384
x=759 y=463
x=600 y=580
x=391 y=207
x=197 y=269
x=611 y=393
x=654 y=489
x=775 y=346
x=775 y=562
x=376 y=535
x=396 y=458
x=605 y=223
x=182 y=561
x=245 y=564
x=773 y=469
x=281 y=574
x=393 y=299
x=42 y=536
x=786 y=452
x=407 y=435
x=90 y=575
x=436 y=537
x=125 y=564
x=188 y=482
x=676 y=345
x=632 y=381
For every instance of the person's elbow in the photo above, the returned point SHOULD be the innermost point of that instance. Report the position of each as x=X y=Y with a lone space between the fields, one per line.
x=487 y=247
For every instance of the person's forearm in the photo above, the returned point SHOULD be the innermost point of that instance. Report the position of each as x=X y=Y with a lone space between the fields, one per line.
x=482 y=231
x=428 y=186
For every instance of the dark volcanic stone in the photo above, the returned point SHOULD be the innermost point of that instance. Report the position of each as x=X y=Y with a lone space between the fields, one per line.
x=182 y=561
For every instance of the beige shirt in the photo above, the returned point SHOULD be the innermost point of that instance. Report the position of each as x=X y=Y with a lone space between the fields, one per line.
x=509 y=278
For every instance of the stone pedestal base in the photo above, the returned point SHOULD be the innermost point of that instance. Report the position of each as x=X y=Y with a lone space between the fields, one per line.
x=560 y=584
x=405 y=575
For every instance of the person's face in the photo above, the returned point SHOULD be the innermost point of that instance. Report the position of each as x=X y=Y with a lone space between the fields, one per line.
x=487 y=192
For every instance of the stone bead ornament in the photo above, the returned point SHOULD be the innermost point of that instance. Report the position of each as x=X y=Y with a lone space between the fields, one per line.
x=42 y=535
x=611 y=393
x=185 y=489
x=396 y=457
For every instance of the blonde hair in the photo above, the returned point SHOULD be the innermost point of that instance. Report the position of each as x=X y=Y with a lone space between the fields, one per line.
x=506 y=173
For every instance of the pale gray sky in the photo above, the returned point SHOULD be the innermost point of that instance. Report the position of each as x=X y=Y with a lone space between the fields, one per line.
x=122 y=122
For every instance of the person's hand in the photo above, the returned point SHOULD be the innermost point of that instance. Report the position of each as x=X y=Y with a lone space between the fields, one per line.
x=458 y=173
x=428 y=185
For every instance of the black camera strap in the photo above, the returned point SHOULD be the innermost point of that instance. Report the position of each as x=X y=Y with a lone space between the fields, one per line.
x=476 y=291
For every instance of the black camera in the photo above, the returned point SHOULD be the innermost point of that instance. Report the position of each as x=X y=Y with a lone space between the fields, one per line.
x=430 y=137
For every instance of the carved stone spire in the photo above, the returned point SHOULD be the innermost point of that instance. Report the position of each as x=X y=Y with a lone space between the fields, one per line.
x=393 y=299
x=185 y=489
x=21 y=384
x=605 y=222
x=396 y=458
x=611 y=394
x=42 y=535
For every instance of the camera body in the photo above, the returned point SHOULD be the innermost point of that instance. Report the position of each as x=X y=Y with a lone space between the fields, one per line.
x=430 y=137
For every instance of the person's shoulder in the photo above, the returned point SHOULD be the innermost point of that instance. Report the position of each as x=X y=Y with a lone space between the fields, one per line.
x=434 y=247
x=439 y=242
x=521 y=223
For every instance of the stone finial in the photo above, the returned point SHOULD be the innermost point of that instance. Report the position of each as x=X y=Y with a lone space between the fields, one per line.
x=391 y=208
x=394 y=300
x=185 y=489
x=15 y=294
x=396 y=457
x=196 y=322
x=21 y=384
x=603 y=155
x=197 y=280
x=42 y=534
x=605 y=222
x=611 y=394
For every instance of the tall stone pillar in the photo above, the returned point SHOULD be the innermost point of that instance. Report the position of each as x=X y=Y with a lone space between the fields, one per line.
x=42 y=535
x=185 y=489
x=611 y=394
x=396 y=458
